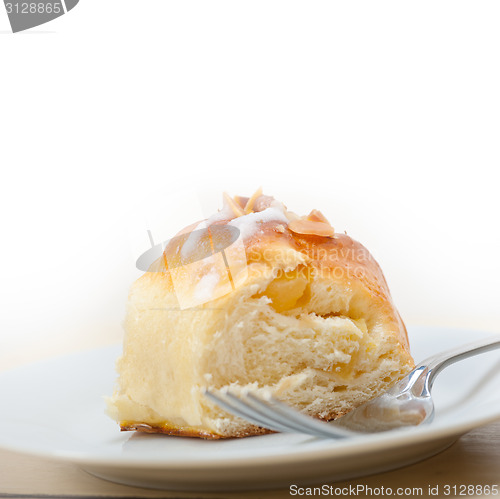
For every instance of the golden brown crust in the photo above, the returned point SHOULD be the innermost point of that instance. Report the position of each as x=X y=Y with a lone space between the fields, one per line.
x=169 y=430
x=183 y=431
x=339 y=256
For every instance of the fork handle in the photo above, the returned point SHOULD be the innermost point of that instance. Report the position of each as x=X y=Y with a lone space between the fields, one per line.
x=437 y=363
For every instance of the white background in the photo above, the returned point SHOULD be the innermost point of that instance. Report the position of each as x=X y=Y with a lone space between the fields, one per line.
x=384 y=115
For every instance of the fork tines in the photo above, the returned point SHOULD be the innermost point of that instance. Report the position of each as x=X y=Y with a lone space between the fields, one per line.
x=268 y=412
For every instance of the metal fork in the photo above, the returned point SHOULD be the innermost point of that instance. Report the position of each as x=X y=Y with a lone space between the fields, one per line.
x=407 y=403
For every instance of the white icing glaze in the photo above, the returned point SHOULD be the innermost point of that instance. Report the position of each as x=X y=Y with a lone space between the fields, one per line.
x=204 y=290
x=250 y=224
x=193 y=239
x=226 y=213
x=247 y=224
x=278 y=204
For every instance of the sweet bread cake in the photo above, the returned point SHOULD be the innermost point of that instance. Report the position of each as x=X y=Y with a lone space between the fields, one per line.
x=256 y=296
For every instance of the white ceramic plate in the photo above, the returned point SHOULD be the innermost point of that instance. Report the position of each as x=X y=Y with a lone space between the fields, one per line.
x=56 y=409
